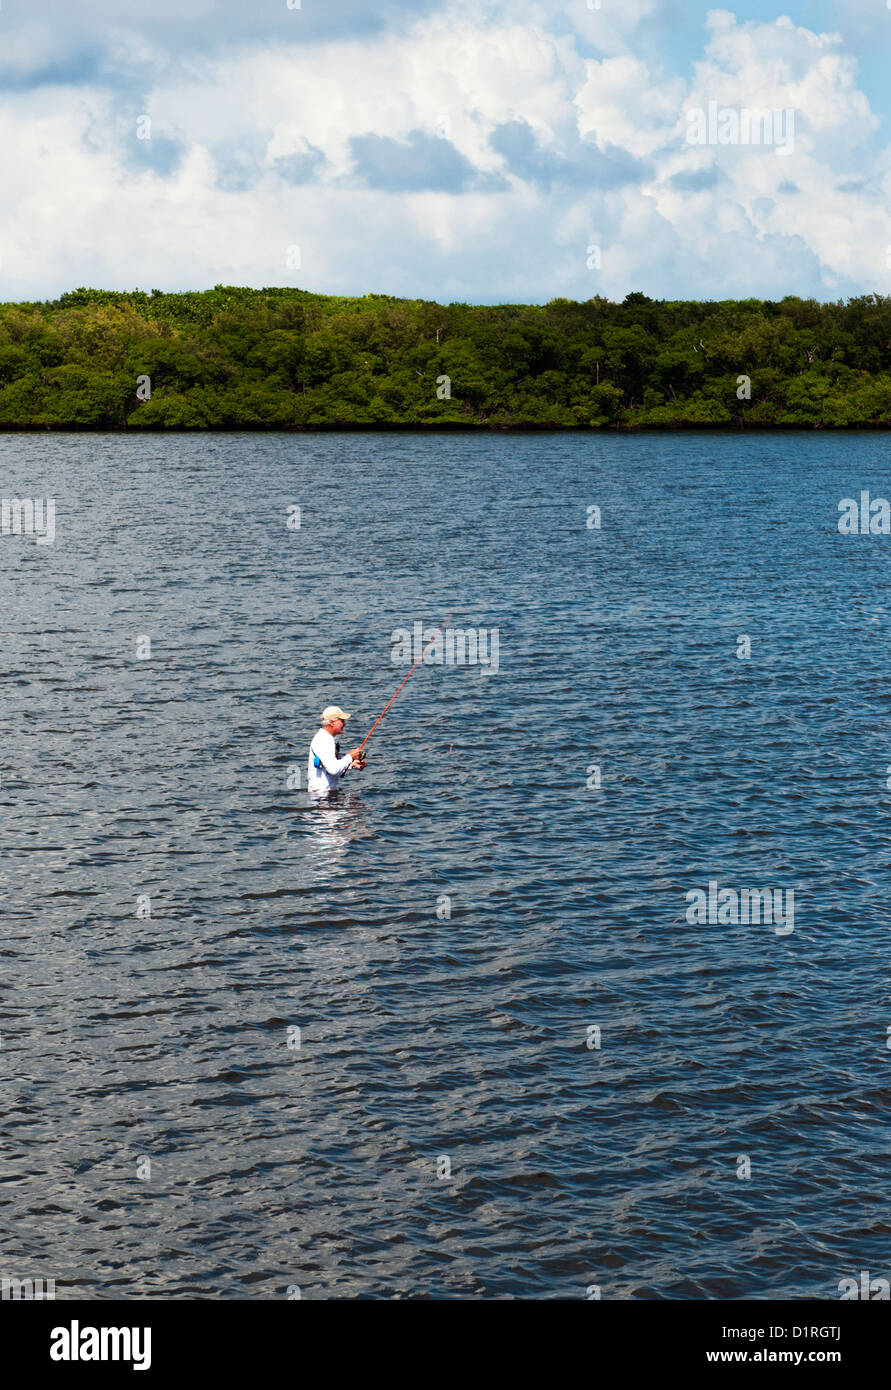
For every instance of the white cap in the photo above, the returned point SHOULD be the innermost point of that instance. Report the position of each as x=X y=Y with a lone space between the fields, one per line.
x=333 y=712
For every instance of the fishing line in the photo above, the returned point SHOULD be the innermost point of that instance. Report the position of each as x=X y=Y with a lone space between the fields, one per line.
x=410 y=674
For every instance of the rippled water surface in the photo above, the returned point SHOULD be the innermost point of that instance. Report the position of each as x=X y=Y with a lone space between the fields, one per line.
x=427 y=1038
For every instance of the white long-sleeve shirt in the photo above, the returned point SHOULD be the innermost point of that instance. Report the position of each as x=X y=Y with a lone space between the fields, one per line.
x=320 y=780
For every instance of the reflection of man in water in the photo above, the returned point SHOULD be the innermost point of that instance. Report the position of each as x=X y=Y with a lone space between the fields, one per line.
x=326 y=766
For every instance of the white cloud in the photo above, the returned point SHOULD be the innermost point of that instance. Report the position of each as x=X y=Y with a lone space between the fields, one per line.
x=621 y=103
x=82 y=208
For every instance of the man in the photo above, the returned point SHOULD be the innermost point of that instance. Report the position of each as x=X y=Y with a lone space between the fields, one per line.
x=326 y=767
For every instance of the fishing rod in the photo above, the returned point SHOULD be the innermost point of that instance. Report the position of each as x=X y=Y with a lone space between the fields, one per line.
x=410 y=674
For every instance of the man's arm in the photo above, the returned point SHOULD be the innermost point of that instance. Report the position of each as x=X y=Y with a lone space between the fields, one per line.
x=327 y=756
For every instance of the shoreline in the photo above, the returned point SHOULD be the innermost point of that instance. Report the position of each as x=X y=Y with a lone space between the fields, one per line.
x=686 y=427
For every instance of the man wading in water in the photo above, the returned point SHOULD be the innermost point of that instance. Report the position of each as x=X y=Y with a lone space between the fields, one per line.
x=326 y=766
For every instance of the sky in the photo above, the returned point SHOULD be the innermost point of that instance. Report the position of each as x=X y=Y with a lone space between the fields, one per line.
x=486 y=152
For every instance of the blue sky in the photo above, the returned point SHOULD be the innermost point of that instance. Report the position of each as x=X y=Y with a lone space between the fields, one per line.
x=488 y=152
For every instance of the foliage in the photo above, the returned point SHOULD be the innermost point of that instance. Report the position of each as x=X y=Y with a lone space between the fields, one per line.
x=232 y=358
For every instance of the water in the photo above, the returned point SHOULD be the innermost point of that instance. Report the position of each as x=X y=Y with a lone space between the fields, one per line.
x=423 y=1038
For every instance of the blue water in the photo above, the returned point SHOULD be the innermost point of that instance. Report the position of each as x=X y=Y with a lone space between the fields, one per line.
x=444 y=1130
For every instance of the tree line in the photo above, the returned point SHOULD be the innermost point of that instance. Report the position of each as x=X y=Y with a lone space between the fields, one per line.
x=234 y=358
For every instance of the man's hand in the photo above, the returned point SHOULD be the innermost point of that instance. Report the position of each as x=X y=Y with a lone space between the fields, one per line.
x=356 y=753
x=358 y=763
